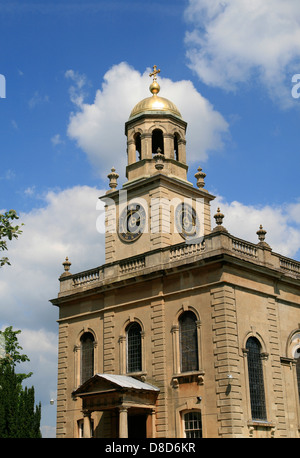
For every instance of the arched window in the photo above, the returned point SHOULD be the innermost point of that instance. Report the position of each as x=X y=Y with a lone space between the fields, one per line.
x=297 y=358
x=192 y=425
x=256 y=380
x=138 y=146
x=176 y=157
x=134 y=347
x=157 y=141
x=188 y=342
x=87 y=356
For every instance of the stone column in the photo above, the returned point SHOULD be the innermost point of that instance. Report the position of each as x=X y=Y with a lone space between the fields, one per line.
x=182 y=151
x=153 y=416
x=169 y=146
x=146 y=146
x=123 y=422
x=131 y=151
x=86 y=424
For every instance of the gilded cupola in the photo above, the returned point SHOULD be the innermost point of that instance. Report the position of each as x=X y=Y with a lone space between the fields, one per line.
x=155 y=104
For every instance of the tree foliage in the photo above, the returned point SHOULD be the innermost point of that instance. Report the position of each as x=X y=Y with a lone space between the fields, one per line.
x=8 y=231
x=19 y=417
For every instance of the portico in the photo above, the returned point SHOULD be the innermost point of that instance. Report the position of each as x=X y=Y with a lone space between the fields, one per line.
x=130 y=403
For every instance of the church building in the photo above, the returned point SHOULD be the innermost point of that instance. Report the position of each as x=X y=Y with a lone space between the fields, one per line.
x=185 y=331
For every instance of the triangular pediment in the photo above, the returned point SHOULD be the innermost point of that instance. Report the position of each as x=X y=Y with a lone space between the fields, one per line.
x=101 y=383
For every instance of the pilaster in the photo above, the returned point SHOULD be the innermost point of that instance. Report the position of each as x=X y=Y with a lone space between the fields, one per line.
x=159 y=364
x=279 y=407
x=160 y=218
x=111 y=222
x=226 y=362
x=109 y=344
x=62 y=380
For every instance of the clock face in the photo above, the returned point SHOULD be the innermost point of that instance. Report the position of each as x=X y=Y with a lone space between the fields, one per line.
x=186 y=220
x=132 y=222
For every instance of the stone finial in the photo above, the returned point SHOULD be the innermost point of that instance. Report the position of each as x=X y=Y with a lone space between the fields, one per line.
x=219 y=217
x=159 y=159
x=219 y=221
x=66 y=265
x=200 y=178
x=113 y=177
x=261 y=233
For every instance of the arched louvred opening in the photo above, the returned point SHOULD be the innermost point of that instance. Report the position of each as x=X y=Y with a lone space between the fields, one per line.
x=256 y=379
x=188 y=342
x=138 y=146
x=87 y=356
x=176 y=152
x=157 y=141
x=134 y=347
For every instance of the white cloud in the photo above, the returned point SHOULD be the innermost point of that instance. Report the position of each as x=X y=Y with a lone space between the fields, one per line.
x=40 y=340
x=64 y=226
x=77 y=90
x=14 y=124
x=41 y=347
x=56 y=140
x=37 y=99
x=282 y=224
x=235 y=41
x=98 y=128
x=29 y=191
x=8 y=175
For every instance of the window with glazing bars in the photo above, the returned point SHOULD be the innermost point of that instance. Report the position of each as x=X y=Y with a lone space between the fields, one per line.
x=256 y=380
x=193 y=425
x=134 y=348
x=87 y=356
x=188 y=342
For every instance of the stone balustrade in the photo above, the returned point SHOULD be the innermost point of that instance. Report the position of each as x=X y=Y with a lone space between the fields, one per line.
x=217 y=242
x=186 y=250
x=245 y=248
x=87 y=277
x=132 y=265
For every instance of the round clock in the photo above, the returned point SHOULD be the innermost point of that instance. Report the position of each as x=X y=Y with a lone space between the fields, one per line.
x=132 y=222
x=186 y=219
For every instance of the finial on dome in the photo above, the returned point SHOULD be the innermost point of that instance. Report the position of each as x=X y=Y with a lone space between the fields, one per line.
x=154 y=86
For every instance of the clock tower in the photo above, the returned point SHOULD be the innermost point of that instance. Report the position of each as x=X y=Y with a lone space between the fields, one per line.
x=185 y=331
x=157 y=205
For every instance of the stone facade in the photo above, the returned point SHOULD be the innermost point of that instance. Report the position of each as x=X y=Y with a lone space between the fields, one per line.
x=234 y=291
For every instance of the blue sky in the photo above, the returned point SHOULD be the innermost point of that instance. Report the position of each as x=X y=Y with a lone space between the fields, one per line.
x=75 y=69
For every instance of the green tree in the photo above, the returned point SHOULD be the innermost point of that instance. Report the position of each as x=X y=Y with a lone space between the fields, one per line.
x=8 y=231
x=19 y=417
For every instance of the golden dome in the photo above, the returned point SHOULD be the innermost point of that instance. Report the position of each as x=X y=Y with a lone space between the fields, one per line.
x=155 y=104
